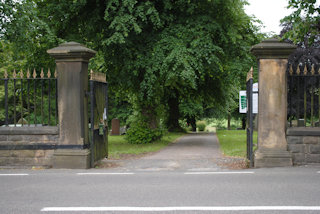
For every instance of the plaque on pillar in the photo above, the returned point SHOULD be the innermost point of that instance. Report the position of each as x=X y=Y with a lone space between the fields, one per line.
x=115 y=126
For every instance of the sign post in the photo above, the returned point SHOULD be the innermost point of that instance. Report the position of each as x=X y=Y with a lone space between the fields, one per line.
x=250 y=117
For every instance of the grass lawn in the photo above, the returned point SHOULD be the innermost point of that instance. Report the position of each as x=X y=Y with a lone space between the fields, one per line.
x=118 y=146
x=234 y=142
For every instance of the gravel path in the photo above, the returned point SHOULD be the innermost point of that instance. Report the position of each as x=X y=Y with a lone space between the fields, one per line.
x=192 y=152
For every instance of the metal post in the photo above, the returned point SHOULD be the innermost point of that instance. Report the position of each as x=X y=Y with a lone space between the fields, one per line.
x=250 y=117
x=6 y=100
x=92 y=101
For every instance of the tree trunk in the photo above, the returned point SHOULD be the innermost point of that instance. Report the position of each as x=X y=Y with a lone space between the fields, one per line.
x=229 y=120
x=174 y=114
x=244 y=121
x=193 y=124
x=150 y=115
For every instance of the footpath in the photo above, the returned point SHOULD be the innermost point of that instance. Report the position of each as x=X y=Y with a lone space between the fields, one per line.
x=192 y=152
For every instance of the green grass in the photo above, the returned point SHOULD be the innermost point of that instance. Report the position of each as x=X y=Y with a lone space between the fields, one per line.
x=234 y=142
x=118 y=146
x=223 y=123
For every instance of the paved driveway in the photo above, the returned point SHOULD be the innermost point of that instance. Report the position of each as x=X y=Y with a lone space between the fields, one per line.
x=192 y=152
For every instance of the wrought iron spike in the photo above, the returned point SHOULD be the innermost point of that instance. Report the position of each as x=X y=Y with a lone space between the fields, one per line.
x=250 y=74
x=14 y=74
x=291 y=70
x=49 y=73
x=28 y=73
x=5 y=74
x=298 y=70
x=55 y=74
x=21 y=74
x=34 y=74
x=42 y=73
x=305 y=70
x=312 y=70
x=91 y=74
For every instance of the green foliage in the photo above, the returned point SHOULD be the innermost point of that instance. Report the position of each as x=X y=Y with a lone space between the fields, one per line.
x=196 y=52
x=302 y=25
x=140 y=131
x=201 y=125
x=222 y=123
x=29 y=36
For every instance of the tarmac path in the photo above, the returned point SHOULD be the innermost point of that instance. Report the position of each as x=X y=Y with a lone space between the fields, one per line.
x=192 y=152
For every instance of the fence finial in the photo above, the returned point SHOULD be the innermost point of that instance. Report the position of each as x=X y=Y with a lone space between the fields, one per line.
x=49 y=73
x=34 y=73
x=42 y=73
x=305 y=70
x=21 y=74
x=250 y=74
x=91 y=74
x=14 y=74
x=312 y=70
x=298 y=70
x=28 y=73
x=5 y=74
x=291 y=70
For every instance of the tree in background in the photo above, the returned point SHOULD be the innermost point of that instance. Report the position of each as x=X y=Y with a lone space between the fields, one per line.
x=169 y=59
x=302 y=26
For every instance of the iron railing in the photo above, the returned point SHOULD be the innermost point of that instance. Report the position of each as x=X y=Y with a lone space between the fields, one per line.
x=29 y=100
x=303 y=95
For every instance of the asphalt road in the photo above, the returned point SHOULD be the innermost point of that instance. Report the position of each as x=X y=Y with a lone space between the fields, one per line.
x=33 y=191
x=137 y=189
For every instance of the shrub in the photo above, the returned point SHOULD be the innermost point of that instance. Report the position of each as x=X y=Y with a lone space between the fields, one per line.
x=140 y=133
x=201 y=125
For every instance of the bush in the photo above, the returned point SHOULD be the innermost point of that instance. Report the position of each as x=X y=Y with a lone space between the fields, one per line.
x=140 y=133
x=201 y=125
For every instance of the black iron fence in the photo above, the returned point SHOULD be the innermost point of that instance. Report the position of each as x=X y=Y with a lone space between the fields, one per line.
x=29 y=99
x=303 y=95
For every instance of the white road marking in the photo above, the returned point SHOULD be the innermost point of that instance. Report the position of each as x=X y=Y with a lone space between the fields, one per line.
x=217 y=173
x=161 y=209
x=318 y=172
x=13 y=174
x=106 y=173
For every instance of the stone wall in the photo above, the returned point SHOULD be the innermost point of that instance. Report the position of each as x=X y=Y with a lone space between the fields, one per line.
x=28 y=146
x=304 y=144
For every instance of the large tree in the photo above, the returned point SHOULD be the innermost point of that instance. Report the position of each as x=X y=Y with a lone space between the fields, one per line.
x=302 y=26
x=159 y=54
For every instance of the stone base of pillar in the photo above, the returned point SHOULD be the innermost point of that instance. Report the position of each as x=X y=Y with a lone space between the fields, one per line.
x=272 y=158
x=71 y=159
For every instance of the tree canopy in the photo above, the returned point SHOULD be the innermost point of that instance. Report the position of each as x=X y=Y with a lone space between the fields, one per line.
x=169 y=59
x=302 y=26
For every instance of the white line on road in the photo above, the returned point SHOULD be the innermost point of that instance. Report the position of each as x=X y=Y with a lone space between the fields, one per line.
x=13 y=174
x=161 y=209
x=217 y=173
x=106 y=173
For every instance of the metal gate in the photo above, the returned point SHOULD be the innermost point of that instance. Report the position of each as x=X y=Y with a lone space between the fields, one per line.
x=98 y=117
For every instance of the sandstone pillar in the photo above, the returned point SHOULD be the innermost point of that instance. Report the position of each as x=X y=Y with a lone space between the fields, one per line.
x=272 y=58
x=72 y=68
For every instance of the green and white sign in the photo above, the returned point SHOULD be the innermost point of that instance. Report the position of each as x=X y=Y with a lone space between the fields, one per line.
x=243 y=102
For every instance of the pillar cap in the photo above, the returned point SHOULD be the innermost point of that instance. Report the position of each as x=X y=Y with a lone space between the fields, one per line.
x=273 y=48
x=71 y=51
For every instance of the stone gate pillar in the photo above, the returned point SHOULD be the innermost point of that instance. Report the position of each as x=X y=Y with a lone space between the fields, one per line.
x=72 y=69
x=272 y=58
